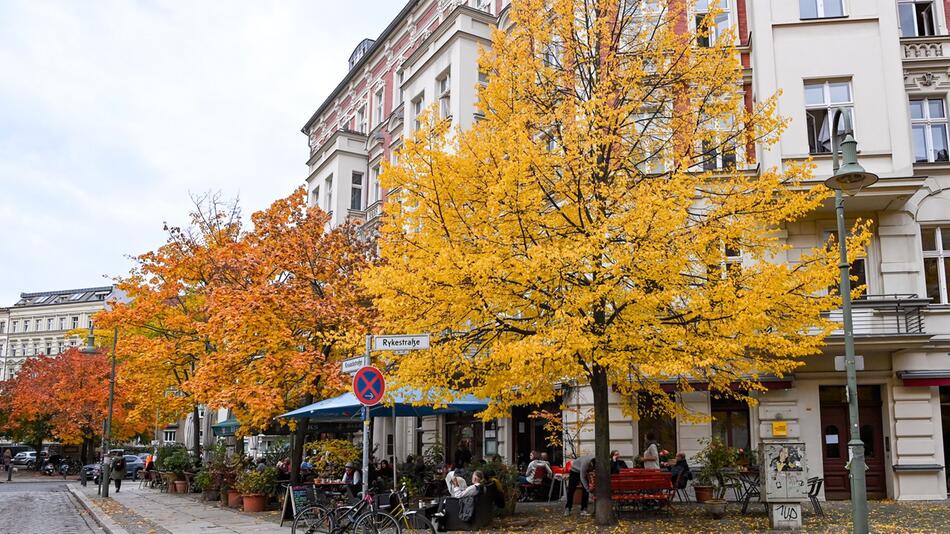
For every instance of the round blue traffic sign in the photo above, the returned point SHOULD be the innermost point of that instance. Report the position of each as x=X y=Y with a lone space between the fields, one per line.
x=369 y=386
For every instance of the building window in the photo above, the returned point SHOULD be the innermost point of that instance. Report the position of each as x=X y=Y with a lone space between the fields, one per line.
x=482 y=77
x=483 y=5
x=418 y=103
x=718 y=156
x=315 y=196
x=62 y=323
x=819 y=9
x=75 y=322
x=936 y=246
x=13 y=351
x=49 y=324
x=356 y=192
x=13 y=326
x=37 y=324
x=3 y=326
x=378 y=102
x=26 y=325
x=711 y=27
x=859 y=270
x=328 y=188
x=821 y=99
x=168 y=436
x=730 y=421
x=916 y=17
x=49 y=348
x=397 y=89
x=444 y=90
x=374 y=185
x=361 y=119
x=928 y=119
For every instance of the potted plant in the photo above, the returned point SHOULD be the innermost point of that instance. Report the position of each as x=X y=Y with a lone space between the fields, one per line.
x=715 y=458
x=255 y=486
x=207 y=485
x=178 y=462
x=504 y=477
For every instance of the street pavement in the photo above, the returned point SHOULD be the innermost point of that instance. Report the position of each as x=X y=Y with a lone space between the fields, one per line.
x=42 y=507
x=142 y=510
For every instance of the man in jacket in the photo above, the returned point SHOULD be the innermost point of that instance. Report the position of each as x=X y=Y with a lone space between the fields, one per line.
x=579 y=476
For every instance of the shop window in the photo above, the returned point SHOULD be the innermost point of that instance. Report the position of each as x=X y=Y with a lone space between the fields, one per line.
x=730 y=421
x=661 y=425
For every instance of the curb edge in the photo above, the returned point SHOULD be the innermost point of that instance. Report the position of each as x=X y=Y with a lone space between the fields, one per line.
x=101 y=518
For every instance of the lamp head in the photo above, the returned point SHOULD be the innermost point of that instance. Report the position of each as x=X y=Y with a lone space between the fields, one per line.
x=90 y=347
x=850 y=177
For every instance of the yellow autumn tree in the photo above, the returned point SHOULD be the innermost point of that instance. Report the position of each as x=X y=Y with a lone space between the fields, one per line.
x=604 y=223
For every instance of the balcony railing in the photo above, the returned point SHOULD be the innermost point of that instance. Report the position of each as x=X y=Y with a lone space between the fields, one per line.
x=884 y=315
x=925 y=48
x=374 y=210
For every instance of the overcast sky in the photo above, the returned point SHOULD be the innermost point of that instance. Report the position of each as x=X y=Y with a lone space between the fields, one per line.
x=113 y=112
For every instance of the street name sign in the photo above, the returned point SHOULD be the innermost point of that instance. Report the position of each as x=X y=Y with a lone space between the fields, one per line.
x=352 y=365
x=369 y=386
x=401 y=343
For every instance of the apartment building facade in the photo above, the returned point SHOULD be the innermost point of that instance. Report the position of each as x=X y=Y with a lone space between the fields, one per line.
x=888 y=63
x=37 y=324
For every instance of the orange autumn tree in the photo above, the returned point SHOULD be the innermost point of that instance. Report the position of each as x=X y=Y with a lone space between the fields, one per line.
x=162 y=326
x=69 y=393
x=284 y=311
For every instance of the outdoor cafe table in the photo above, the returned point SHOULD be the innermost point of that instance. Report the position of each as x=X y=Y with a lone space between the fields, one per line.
x=331 y=488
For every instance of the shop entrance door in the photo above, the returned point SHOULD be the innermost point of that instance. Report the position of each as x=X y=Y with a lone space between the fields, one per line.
x=835 y=436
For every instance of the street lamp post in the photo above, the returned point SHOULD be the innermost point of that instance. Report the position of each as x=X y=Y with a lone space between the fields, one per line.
x=107 y=431
x=850 y=178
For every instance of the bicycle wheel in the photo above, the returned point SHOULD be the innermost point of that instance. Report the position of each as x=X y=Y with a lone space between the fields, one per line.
x=376 y=523
x=313 y=520
x=415 y=522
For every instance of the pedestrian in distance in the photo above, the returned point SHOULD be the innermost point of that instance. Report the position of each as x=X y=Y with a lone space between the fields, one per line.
x=117 y=471
x=8 y=463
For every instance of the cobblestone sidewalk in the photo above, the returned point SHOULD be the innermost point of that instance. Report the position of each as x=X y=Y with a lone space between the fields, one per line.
x=147 y=511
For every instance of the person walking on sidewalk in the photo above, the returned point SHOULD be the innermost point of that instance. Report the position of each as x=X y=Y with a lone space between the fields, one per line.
x=8 y=463
x=117 y=472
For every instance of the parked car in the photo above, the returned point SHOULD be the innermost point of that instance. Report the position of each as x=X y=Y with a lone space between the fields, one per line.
x=92 y=472
x=133 y=464
x=25 y=459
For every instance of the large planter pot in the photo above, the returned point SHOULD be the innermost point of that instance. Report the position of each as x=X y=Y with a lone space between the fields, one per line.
x=716 y=508
x=703 y=493
x=211 y=495
x=234 y=498
x=254 y=503
x=181 y=486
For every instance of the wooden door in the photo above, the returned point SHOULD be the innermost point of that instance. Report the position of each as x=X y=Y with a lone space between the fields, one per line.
x=835 y=436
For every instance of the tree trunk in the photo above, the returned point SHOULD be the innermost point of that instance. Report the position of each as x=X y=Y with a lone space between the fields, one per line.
x=196 y=430
x=300 y=437
x=238 y=445
x=603 y=508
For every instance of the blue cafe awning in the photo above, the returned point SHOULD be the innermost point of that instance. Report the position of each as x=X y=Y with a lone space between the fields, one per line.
x=407 y=403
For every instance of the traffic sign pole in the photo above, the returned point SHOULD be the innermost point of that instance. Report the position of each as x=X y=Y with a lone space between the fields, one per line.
x=366 y=432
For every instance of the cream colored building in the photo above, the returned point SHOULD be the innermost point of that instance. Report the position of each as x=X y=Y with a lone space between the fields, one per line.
x=885 y=60
x=36 y=325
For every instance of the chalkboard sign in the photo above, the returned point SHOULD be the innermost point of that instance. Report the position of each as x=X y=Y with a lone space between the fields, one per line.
x=296 y=499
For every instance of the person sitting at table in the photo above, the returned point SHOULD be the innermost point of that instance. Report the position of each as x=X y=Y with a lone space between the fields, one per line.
x=455 y=482
x=616 y=464
x=477 y=480
x=352 y=477
x=538 y=461
x=680 y=473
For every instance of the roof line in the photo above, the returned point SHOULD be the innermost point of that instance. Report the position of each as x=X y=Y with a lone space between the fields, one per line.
x=66 y=291
x=366 y=56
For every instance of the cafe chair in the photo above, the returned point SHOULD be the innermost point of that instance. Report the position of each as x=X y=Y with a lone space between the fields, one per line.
x=814 y=488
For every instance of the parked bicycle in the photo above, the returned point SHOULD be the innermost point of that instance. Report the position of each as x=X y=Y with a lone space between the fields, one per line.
x=364 y=517
x=409 y=519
